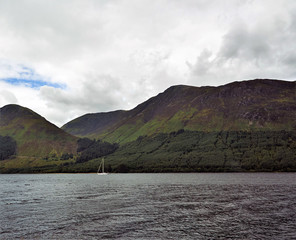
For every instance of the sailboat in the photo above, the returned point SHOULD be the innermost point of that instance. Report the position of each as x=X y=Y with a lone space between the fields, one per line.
x=101 y=171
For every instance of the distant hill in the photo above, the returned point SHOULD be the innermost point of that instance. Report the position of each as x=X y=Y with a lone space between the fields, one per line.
x=36 y=138
x=255 y=105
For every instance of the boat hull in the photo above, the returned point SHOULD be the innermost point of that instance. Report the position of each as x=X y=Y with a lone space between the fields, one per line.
x=102 y=174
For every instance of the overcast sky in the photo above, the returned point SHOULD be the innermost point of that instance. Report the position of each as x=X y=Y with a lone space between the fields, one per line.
x=65 y=58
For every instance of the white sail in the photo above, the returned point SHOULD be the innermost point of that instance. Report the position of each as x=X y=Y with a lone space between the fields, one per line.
x=101 y=169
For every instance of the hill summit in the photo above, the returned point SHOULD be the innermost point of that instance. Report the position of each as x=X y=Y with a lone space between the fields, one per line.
x=34 y=135
x=253 y=105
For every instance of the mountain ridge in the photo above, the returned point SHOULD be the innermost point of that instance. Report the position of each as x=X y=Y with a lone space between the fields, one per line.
x=260 y=104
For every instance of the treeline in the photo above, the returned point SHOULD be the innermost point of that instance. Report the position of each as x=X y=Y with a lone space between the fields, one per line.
x=7 y=147
x=186 y=151
x=91 y=149
x=194 y=151
x=198 y=151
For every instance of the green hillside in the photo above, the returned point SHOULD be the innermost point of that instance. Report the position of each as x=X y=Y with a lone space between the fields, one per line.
x=241 y=126
x=257 y=105
x=195 y=151
x=35 y=137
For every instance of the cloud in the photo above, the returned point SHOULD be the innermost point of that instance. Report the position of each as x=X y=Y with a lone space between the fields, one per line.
x=69 y=58
x=203 y=63
x=260 y=48
x=93 y=94
x=245 y=44
x=7 y=97
x=17 y=74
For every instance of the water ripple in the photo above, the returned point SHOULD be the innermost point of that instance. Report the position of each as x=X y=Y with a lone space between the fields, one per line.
x=148 y=206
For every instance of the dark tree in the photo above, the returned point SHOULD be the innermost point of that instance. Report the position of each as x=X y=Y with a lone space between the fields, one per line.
x=84 y=143
x=91 y=149
x=7 y=147
x=122 y=168
x=109 y=168
x=66 y=156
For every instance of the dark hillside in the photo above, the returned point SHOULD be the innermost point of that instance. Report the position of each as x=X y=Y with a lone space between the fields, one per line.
x=256 y=105
x=93 y=122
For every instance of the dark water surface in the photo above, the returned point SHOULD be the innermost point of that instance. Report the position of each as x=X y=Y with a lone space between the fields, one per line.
x=148 y=206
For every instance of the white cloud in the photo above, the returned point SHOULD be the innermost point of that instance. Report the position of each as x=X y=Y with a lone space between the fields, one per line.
x=115 y=54
x=258 y=45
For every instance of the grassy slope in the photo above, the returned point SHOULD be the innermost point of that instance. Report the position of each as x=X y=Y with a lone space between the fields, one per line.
x=36 y=137
x=251 y=106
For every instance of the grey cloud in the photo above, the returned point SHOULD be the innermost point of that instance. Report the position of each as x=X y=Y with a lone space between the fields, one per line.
x=99 y=93
x=269 y=41
x=289 y=58
x=244 y=43
x=7 y=97
x=52 y=31
x=203 y=63
x=251 y=51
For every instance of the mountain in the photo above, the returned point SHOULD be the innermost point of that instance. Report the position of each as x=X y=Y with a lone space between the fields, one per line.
x=254 y=105
x=36 y=138
x=241 y=126
x=94 y=123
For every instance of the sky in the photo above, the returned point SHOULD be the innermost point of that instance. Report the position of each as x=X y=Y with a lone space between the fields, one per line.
x=66 y=58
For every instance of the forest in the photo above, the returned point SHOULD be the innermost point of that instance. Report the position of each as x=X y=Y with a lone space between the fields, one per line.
x=183 y=151
x=91 y=149
x=199 y=151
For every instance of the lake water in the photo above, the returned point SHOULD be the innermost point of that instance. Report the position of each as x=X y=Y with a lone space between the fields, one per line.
x=148 y=206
